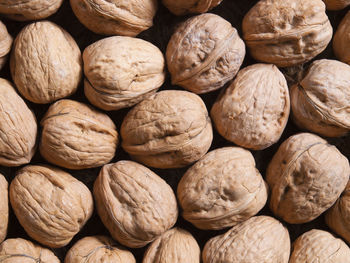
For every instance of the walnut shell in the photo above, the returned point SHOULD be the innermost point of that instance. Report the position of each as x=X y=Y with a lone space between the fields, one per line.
x=5 y=44
x=321 y=100
x=100 y=249
x=4 y=208
x=222 y=189
x=336 y=4
x=45 y=63
x=254 y=109
x=18 y=122
x=287 y=33
x=341 y=40
x=174 y=246
x=259 y=239
x=306 y=176
x=319 y=246
x=133 y=71
x=208 y=58
x=18 y=250
x=50 y=204
x=183 y=7
x=76 y=136
x=134 y=203
x=170 y=129
x=115 y=17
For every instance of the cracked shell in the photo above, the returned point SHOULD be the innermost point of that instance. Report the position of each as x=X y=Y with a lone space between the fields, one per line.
x=5 y=44
x=183 y=7
x=306 y=176
x=336 y=4
x=134 y=203
x=50 y=204
x=4 y=208
x=341 y=40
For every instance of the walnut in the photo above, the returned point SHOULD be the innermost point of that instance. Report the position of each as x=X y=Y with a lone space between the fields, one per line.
x=134 y=203
x=5 y=44
x=183 y=7
x=133 y=71
x=175 y=246
x=45 y=63
x=319 y=246
x=222 y=189
x=336 y=4
x=4 y=208
x=306 y=177
x=254 y=109
x=208 y=57
x=50 y=204
x=115 y=17
x=98 y=249
x=320 y=101
x=18 y=250
x=170 y=129
x=287 y=33
x=18 y=123
x=341 y=40
x=76 y=136
x=259 y=239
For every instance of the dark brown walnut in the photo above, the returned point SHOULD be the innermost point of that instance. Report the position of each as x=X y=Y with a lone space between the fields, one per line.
x=100 y=249
x=174 y=246
x=183 y=7
x=170 y=129
x=5 y=44
x=134 y=203
x=133 y=71
x=202 y=58
x=18 y=127
x=45 y=63
x=287 y=33
x=341 y=40
x=76 y=136
x=259 y=239
x=321 y=100
x=319 y=246
x=50 y=204
x=336 y=4
x=115 y=17
x=254 y=109
x=222 y=189
x=19 y=250
x=306 y=176
x=4 y=208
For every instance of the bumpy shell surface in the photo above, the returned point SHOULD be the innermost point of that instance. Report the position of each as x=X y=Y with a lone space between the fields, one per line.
x=254 y=109
x=321 y=101
x=336 y=4
x=5 y=44
x=222 y=189
x=182 y=7
x=122 y=71
x=306 y=176
x=51 y=205
x=202 y=58
x=135 y=204
x=319 y=246
x=45 y=63
x=18 y=127
x=4 y=207
x=100 y=249
x=341 y=40
x=18 y=250
x=287 y=33
x=115 y=17
x=259 y=239
x=170 y=129
x=174 y=246
x=76 y=136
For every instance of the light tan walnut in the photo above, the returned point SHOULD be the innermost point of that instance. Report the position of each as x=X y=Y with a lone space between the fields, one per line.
x=183 y=7
x=4 y=208
x=5 y=44
x=336 y=4
x=341 y=40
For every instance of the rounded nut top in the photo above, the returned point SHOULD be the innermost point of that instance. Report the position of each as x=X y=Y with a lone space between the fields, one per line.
x=4 y=208
x=341 y=40
x=5 y=44
x=306 y=176
x=336 y=4
x=183 y=7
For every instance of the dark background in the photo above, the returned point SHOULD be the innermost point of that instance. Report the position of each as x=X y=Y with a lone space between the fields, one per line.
x=159 y=35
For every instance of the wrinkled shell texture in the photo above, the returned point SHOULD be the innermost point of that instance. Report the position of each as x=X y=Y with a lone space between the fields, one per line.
x=51 y=205
x=18 y=250
x=201 y=58
x=336 y=4
x=306 y=176
x=5 y=44
x=45 y=63
x=341 y=40
x=76 y=136
x=100 y=249
x=182 y=7
x=254 y=109
x=134 y=203
x=287 y=33
x=319 y=246
x=115 y=17
x=122 y=71
x=259 y=239
x=4 y=207
x=170 y=129
x=18 y=128
x=174 y=246
x=321 y=101
x=222 y=189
